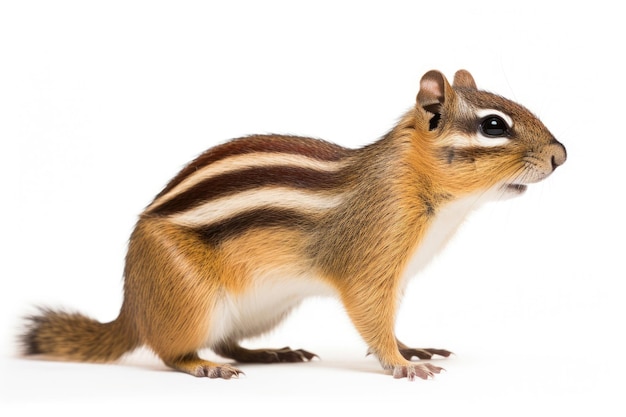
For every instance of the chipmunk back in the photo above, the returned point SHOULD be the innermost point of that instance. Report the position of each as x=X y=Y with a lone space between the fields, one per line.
x=253 y=226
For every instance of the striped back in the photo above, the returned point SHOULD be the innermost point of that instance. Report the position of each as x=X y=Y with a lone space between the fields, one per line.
x=255 y=181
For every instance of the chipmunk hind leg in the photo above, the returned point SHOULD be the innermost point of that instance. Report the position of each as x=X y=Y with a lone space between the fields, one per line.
x=180 y=337
x=171 y=299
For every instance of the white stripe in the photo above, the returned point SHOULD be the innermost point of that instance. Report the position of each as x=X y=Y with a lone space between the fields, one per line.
x=244 y=161
x=488 y=112
x=269 y=197
x=467 y=141
x=490 y=142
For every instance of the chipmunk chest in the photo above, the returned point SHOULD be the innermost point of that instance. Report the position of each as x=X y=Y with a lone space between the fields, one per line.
x=439 y=232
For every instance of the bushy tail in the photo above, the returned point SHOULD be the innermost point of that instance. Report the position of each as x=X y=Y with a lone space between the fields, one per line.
x=75 y=337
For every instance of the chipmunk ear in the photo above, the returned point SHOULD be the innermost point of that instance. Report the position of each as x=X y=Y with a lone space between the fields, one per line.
x=463 y=79
x=432 y=95
x=432 y=89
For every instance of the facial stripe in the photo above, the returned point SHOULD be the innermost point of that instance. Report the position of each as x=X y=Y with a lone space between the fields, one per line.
x=282 y=198
x=468 y=155
x=470 y=136
x=243 y=161
x=249 y=179
x=264 y=217
x=480 y=140
x=487 y=112
x=475 y=140
x=312 y=148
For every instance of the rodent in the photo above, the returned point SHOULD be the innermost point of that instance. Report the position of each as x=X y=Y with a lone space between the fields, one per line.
x=251 y=227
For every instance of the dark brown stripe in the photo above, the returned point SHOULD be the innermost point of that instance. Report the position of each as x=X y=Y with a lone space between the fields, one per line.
x=312 y=148
x=470 y=154
x=216 y=233
x=243 y=180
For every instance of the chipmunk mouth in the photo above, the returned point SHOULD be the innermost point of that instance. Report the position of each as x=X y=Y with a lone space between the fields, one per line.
x=516 y=188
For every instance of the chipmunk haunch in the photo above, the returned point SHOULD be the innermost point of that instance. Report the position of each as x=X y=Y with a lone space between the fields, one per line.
x=253 y=226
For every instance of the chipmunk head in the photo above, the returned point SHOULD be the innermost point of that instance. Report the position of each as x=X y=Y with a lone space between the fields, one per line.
x=483 y=140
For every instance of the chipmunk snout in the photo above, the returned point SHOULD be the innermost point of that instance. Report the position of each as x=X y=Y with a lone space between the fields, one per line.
x=542 y=162
x=558 y=154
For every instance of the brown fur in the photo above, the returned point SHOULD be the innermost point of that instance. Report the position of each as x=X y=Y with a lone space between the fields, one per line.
x=178 y=278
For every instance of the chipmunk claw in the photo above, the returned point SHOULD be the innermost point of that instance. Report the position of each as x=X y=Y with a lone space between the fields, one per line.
x=222 y=371
x=287 y=354
x=427 y=353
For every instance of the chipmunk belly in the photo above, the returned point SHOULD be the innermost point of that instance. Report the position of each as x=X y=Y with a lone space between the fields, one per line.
x=261 y=307
x=267 y=273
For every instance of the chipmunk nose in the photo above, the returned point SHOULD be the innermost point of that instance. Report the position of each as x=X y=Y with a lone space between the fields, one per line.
x=558 y=153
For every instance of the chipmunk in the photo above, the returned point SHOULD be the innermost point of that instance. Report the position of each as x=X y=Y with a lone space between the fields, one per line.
x=251 y=227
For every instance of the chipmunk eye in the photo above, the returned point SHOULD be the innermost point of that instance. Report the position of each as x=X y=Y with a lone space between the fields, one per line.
x=494 y=126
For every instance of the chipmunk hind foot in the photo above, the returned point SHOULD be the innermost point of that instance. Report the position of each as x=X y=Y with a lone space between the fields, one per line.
x=243 y=355
x=194 y=365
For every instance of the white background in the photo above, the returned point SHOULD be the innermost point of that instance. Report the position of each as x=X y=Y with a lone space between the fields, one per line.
x=101 y=103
